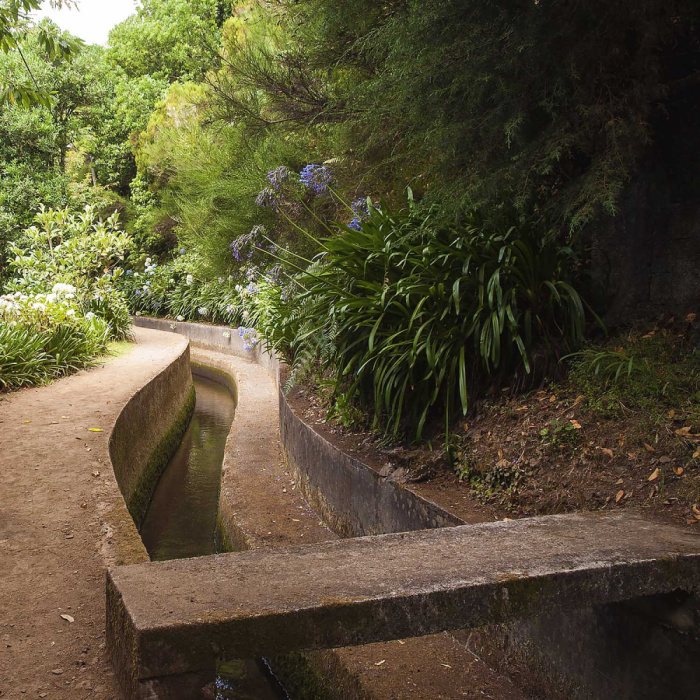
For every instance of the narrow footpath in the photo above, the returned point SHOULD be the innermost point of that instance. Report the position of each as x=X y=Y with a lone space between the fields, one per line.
x=63 y=522
x=263 y=508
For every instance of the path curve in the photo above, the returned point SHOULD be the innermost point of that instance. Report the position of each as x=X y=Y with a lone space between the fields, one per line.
x=63 y=522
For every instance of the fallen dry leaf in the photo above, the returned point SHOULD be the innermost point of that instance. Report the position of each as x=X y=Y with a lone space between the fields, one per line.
x=620 y=494
x=682 y=431
x=677 y=470
x=648 y=447
x=696 y=454
x=695 y=509
x=671 y=413
x=576 y=424
x=379 y=663
x=691 y=522
x=607 y=451
x=665 y=459
x=619 y=481
x=654 y=475
x=68 y=618
x=690 y=317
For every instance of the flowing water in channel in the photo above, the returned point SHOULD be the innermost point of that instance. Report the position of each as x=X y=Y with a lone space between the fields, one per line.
x=181 y=520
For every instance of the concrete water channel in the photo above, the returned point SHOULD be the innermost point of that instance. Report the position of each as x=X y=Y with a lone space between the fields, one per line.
x=181 y=520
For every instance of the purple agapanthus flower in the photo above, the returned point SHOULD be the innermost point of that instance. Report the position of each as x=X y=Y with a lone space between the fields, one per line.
x=317 y=178
x=278 y=177
x=274 y=274
x=360 y=208
x=247 y=243
x=249 y=338
x=268 y=198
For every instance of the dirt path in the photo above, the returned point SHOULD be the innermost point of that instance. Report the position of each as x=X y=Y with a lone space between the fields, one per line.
x=63 y=522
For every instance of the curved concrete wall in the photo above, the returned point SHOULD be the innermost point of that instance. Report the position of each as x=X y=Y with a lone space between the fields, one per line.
x=349 y=495
x=213 y=337
x=148 y=431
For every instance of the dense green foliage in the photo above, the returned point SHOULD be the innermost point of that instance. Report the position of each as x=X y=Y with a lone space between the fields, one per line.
x=15 y=17
x=246 y=145
x=410 y=312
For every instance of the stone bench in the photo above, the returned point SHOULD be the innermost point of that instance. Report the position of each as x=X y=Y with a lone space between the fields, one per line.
x=178 y=617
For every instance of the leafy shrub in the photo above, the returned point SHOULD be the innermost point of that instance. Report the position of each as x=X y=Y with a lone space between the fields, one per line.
x=63 y=306
x=76 y=250
x=173 y=289
x=43 y=337
x=406 y=311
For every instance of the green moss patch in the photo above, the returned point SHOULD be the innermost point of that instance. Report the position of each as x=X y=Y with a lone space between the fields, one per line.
x=166 y=448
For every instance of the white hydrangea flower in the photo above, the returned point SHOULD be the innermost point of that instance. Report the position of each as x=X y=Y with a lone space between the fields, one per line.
x=60 y=288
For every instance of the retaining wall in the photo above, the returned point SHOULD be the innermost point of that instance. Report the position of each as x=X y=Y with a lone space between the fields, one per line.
x=149 y=430
x=643 y=649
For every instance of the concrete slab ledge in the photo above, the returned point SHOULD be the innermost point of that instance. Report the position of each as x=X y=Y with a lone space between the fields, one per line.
x=178 y=617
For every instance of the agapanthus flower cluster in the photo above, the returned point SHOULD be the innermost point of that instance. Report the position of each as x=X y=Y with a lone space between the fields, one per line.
x=248 y=243
x=274 y=274
x=278 y=177
x=203 y=311
x=251 y=288
x=268 y=198
x=249 y=337
x=150 y=266
x=317 y=178
x=360 y=208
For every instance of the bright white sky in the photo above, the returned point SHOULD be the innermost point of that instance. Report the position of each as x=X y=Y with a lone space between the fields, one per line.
x=92 y=19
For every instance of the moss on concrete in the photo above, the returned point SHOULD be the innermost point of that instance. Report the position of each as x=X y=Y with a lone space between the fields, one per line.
x=301 y=678
x=161 y=455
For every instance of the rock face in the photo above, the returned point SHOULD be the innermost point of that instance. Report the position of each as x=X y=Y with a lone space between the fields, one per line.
x=648 y=255
x=172 y=618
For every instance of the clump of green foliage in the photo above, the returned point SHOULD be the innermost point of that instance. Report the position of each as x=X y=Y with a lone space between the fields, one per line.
x=407 y=310
x=650 y=374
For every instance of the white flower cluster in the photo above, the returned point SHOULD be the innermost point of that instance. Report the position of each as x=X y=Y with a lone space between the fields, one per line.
x=18 y=307
x=65 y=290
